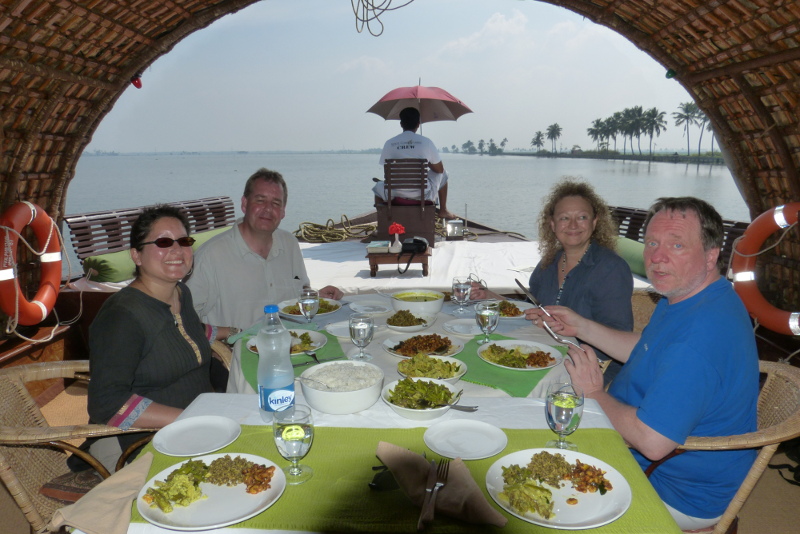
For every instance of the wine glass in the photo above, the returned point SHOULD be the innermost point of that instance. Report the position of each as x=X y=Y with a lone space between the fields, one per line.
x=293 y=430
x=487 y=315
x=362 y=327
x=564 y=409
x=461 y=289
x=309 y=303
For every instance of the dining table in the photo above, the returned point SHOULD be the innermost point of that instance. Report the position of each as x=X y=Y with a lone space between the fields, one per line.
x=339 y=498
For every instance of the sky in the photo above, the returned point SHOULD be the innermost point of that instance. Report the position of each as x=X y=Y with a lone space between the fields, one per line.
x=297 y=75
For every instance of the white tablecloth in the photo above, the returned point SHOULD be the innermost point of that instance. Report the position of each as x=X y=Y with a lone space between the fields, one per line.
x=515 y=328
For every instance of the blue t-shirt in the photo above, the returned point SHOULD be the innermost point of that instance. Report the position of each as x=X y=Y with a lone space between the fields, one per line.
x=694 y=372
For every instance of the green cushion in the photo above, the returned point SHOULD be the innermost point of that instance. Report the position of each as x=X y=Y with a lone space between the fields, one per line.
x=631 y=251
x=118 y=266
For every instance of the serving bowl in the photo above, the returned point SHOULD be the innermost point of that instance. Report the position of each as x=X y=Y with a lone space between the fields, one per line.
x=339 y=402
x=418 y=415
x=462 y=368
x=418 y=301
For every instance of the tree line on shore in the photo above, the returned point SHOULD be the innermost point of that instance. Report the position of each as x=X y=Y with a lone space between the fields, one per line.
x=629 y=124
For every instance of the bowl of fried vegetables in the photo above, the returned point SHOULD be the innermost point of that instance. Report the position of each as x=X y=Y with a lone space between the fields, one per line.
x=418 y=301
x=405 y=321
x=440 y=367
x=418 y=398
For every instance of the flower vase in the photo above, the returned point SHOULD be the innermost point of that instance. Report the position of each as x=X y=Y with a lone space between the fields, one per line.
x=396 y=245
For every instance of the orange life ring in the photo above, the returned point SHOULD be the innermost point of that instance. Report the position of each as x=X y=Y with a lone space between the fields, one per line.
x=18 y=217
x=743 y=267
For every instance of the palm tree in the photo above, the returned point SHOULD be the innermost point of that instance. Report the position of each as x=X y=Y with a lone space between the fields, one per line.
x=468 y=147
x=538 y=140
x=454 y=148
x=503 y=144
x=595 y=131
x=711 y=129
x=613 y=127
x=686 y=117
x=481 y=146
x=632 y=125
x=654 y=124
x=553 y=133
x=701 y=120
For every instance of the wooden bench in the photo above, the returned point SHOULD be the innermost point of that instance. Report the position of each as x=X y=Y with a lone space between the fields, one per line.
x=101 y=232
x=631 y=225
x=394 y=258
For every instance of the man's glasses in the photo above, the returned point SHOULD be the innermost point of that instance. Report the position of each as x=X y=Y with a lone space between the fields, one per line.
x=166 y=242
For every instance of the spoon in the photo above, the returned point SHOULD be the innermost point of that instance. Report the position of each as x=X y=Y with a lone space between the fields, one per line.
x=326 y=386
x=452 y=404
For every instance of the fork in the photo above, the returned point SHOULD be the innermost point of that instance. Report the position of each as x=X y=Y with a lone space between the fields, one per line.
x=546 y=326
x=441 y=479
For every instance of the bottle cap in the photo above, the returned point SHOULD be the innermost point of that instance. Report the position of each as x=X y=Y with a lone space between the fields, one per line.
x=271 y=308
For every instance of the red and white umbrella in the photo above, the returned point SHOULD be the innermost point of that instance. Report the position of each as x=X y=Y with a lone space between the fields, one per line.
x=433 y=103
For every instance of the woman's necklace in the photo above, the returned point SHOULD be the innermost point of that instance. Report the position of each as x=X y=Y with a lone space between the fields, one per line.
x=564 y=271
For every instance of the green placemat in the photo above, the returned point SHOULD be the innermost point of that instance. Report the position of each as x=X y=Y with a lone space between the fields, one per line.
x=331 y=351
x=515 y=383
x=338 y=499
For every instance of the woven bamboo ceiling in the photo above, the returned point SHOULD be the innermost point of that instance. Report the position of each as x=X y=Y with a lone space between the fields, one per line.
x=64 y=63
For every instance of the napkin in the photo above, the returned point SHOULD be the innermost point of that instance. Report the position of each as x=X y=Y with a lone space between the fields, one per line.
x=106 y=509
x=460 y=497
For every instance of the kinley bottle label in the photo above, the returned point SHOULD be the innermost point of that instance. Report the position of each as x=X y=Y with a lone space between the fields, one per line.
x=275 y=400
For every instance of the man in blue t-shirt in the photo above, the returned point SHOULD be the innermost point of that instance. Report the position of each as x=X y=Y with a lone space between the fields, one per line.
x=693 y=371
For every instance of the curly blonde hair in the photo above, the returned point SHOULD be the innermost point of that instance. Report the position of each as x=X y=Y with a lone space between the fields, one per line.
x=605 y=232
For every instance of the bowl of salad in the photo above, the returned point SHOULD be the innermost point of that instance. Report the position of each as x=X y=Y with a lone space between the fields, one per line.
x=417 y=398
x=444 y=368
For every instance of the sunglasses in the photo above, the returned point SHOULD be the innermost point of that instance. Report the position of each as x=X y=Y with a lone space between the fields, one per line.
x=166 y=242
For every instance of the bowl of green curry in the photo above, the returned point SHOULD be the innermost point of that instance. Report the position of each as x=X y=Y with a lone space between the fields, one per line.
x=418 y=301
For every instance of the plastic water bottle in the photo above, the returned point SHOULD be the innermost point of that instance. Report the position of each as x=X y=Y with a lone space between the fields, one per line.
x=275 y=374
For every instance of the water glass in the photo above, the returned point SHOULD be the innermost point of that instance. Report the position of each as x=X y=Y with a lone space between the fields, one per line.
x=563 y=409
x=308 y=303
x=362 y=327
x=461 y=290
x=487 y=315
x=293 y=430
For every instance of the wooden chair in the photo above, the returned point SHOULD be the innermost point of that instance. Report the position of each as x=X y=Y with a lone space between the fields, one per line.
x=778 y=421
x=32 y=453
x=418 y=217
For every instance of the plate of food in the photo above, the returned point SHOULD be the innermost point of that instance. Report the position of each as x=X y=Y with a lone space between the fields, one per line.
x=465 y=439
x=292 y=309
x=407 y=322
x=520 y=355
x=196 y=435
x=440 y=367
x=462 y=327
x=205 y=500
x=373 y=307
x=302 y=340
x=411 y=344
x=514 y=309
x=570 y=504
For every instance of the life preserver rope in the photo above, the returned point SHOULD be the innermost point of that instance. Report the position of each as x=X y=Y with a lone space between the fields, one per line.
x=743 y=263
x=12 y=301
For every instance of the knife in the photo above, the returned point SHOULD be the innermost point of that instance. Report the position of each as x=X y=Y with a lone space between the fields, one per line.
x=532 y=298
x=429 y=485
x=293 y=319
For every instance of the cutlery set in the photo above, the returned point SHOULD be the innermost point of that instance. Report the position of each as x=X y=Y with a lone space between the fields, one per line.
x=437 y=478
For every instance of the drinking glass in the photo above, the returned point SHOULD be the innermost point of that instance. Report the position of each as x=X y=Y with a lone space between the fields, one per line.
x=563 y=409
x=293 y=430
x=487 y=315
x=362 y=327
x=309 y=303
x=461 y=289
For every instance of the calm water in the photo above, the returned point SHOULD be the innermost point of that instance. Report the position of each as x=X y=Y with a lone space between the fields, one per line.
x=502 y=191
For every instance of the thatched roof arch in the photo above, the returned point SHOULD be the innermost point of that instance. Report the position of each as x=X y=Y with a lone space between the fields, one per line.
x=64 y=64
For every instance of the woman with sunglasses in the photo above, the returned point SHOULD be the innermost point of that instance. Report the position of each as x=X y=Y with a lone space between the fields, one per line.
x=149 y=353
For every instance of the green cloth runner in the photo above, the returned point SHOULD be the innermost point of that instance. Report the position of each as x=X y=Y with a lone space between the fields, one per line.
x=338 y=499
x=331 y=351
x=515 y=383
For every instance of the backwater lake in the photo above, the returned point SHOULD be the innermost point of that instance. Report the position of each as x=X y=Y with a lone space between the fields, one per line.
x=504 y=192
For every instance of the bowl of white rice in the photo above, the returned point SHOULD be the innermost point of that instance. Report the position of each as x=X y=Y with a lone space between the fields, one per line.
x=342 y=387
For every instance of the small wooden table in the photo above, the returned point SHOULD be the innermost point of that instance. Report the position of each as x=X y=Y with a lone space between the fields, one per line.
x=388 y=258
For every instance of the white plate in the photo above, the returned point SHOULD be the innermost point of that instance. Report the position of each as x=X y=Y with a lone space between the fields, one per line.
x=429 y=320
x=455 y=348
x=292 y=302
x=462 y=368
x=465 y=439
x=224 y=506
x=196 y=435
x=317 y=340
x=532 y=345
x=370 y=306
x=462 y=327
x=522 y=307
x=593 y=510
